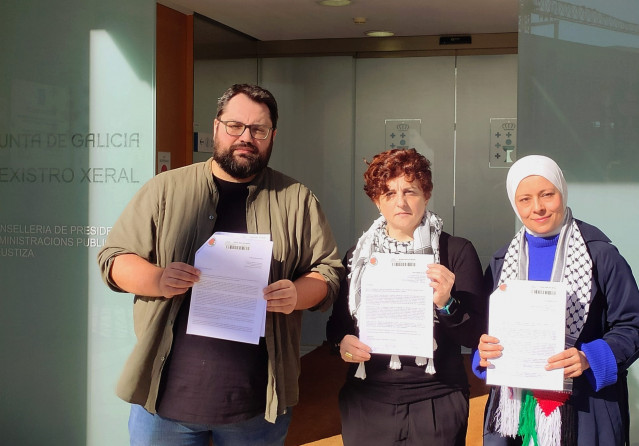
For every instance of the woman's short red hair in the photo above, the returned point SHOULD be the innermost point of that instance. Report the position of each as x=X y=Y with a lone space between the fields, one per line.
x=395 y=163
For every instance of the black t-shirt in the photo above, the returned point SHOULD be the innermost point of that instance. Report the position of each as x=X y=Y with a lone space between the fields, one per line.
x=208 y=380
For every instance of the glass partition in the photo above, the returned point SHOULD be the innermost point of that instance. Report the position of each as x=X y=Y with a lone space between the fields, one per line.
x=76 y=141
x=578 y=102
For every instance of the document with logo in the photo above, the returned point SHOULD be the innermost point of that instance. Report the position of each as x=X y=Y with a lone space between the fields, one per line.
x=396 y=310
x=529 y=319
x=228 y=301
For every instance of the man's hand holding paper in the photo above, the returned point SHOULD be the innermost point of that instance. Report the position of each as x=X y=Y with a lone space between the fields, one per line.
x=177 y=278
x=281 y=296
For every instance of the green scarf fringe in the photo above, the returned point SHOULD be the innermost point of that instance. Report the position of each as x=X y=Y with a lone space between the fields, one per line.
x=527 y=428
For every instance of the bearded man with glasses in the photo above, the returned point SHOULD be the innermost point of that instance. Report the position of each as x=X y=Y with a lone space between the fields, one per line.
x=187 y=389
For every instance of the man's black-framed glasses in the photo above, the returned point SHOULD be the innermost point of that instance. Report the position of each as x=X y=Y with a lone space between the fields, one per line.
x=236 y=128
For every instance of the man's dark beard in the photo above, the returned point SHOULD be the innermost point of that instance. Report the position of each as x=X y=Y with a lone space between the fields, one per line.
x=244 y=166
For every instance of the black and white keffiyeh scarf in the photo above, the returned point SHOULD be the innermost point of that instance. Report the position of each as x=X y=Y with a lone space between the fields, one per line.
x=573 y=266
x=375 y=239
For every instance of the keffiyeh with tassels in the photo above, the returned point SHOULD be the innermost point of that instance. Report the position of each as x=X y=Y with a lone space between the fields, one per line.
x=375 y=239
x=538 y=416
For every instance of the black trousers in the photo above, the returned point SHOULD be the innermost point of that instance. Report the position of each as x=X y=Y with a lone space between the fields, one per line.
x=440 y=421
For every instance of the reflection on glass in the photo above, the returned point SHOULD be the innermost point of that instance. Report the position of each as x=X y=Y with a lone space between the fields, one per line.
x=579 y=82
x=579 y=103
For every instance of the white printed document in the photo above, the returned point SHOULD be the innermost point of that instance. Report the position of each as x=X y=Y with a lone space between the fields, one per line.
x=529 y=319
x=396 y=310
x=228 y=301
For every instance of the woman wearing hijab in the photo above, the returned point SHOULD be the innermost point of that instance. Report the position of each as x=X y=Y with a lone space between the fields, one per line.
x=602 y=320
x=392 y=398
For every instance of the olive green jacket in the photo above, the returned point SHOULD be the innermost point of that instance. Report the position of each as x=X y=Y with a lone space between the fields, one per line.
x=169 y=218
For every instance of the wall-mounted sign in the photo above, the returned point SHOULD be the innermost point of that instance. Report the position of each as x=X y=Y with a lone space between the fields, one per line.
x=403 y=133
x=164 y=161
x=202 y=142
x=503 y=142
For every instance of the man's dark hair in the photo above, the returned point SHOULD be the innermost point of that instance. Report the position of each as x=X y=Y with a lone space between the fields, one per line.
x=255 y=93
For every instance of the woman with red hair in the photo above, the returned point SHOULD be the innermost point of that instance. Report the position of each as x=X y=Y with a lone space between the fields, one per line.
x=393 y=398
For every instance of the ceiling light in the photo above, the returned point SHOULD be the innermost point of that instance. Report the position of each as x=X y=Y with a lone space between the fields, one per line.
x=380 y=33
x=334 y=2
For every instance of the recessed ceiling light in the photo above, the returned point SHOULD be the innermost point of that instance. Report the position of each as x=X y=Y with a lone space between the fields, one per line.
x=334 y=2
x=380 y=33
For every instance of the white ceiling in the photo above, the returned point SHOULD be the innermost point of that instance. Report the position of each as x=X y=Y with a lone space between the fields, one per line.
x=267 y=20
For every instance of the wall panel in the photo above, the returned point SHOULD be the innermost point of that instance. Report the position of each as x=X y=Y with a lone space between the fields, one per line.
x=314 y=141
x=406 y=88
x=486 y=88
